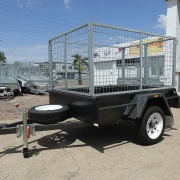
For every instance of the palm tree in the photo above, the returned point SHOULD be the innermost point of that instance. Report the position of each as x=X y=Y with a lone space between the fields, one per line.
x=80 y=64
x=2 y=57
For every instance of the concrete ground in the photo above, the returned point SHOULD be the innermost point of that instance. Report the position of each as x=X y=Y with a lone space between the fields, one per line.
x=86 y=153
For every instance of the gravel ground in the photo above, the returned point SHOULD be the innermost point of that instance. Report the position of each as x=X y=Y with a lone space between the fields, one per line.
x=86 y=153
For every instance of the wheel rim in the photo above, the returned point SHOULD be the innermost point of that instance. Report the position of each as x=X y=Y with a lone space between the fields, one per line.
x=154 y=125
x=48 y=107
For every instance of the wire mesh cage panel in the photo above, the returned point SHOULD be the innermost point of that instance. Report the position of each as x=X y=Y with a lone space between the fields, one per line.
x=69 y=54
x=101 y=59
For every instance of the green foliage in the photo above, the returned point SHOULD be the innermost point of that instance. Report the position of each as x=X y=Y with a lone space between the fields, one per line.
x=2 y=57
x=17 y=62
x=80 y=64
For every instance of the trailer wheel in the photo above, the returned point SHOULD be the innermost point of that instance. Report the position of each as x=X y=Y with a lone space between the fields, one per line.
x=25 y=152
x=152 y=126
x=48 y=114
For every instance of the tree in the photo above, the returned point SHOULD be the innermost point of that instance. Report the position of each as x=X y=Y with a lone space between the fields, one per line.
x=79 y=64
x=2 y=57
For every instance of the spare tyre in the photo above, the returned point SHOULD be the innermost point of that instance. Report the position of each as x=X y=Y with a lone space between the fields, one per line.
x=83 y=108
x=48 y=114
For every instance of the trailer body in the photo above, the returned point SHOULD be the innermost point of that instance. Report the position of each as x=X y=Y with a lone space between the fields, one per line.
x=111 y=109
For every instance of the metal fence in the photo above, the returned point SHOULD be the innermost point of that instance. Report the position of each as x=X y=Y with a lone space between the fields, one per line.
x=5 y=80
x=35 y=72
x=106 y=59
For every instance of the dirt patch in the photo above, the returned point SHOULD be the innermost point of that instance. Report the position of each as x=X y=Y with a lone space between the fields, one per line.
x=8 y=109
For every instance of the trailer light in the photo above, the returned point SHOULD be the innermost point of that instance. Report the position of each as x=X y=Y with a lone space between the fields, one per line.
x=28 y=132
x=156 y=96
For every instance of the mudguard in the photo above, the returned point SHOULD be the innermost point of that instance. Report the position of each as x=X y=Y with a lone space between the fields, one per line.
x=143 y=101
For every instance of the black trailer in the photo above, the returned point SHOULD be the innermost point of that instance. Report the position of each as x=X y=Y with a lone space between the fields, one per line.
x=148 y=111
x=132 y=80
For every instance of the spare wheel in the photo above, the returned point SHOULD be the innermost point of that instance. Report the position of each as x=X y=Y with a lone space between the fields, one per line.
x=48 y=114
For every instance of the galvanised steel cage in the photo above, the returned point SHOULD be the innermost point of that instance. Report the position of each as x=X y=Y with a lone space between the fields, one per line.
x=96 y=59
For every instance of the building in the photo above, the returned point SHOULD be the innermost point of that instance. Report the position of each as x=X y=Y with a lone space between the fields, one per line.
x=60 y=68
x=173 y=29
x=120 y=63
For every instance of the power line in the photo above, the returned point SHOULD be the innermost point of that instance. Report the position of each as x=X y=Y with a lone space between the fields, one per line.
x=35 y=17
x=30 y=20
x=38 y=14
x=19 y=30
x=22 y=25
x=17 y=27
x=22 y=31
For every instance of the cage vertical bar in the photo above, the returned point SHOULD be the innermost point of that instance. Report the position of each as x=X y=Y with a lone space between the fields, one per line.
x=91 y=58
x=146 y=72
x=123 y=64
x=65 y=60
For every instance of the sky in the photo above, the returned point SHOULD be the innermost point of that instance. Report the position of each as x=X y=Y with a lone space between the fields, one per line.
x=27 y=25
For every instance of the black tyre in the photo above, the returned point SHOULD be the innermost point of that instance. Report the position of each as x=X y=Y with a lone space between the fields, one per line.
x=25 y=152
x=83 y=108
x=16 y=92
x=152 y=126
x=22 y=88
x=48 y=114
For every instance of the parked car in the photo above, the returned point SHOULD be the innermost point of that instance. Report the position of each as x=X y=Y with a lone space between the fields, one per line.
x=57 y=76
x=5 y=91
x=83 y=76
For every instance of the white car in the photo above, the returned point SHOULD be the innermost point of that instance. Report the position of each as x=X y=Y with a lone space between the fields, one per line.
x=4 y=91
x=83 y=76
x=57 y=76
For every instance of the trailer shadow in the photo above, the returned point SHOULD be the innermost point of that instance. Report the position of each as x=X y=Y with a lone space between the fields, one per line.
x=101 y=139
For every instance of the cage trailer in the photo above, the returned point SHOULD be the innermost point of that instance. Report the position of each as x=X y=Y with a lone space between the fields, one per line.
x=131 y=77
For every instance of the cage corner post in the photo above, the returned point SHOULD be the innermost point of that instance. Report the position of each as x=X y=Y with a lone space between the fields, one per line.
x=141 y=63
x=50 y=65
x=91 y=58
